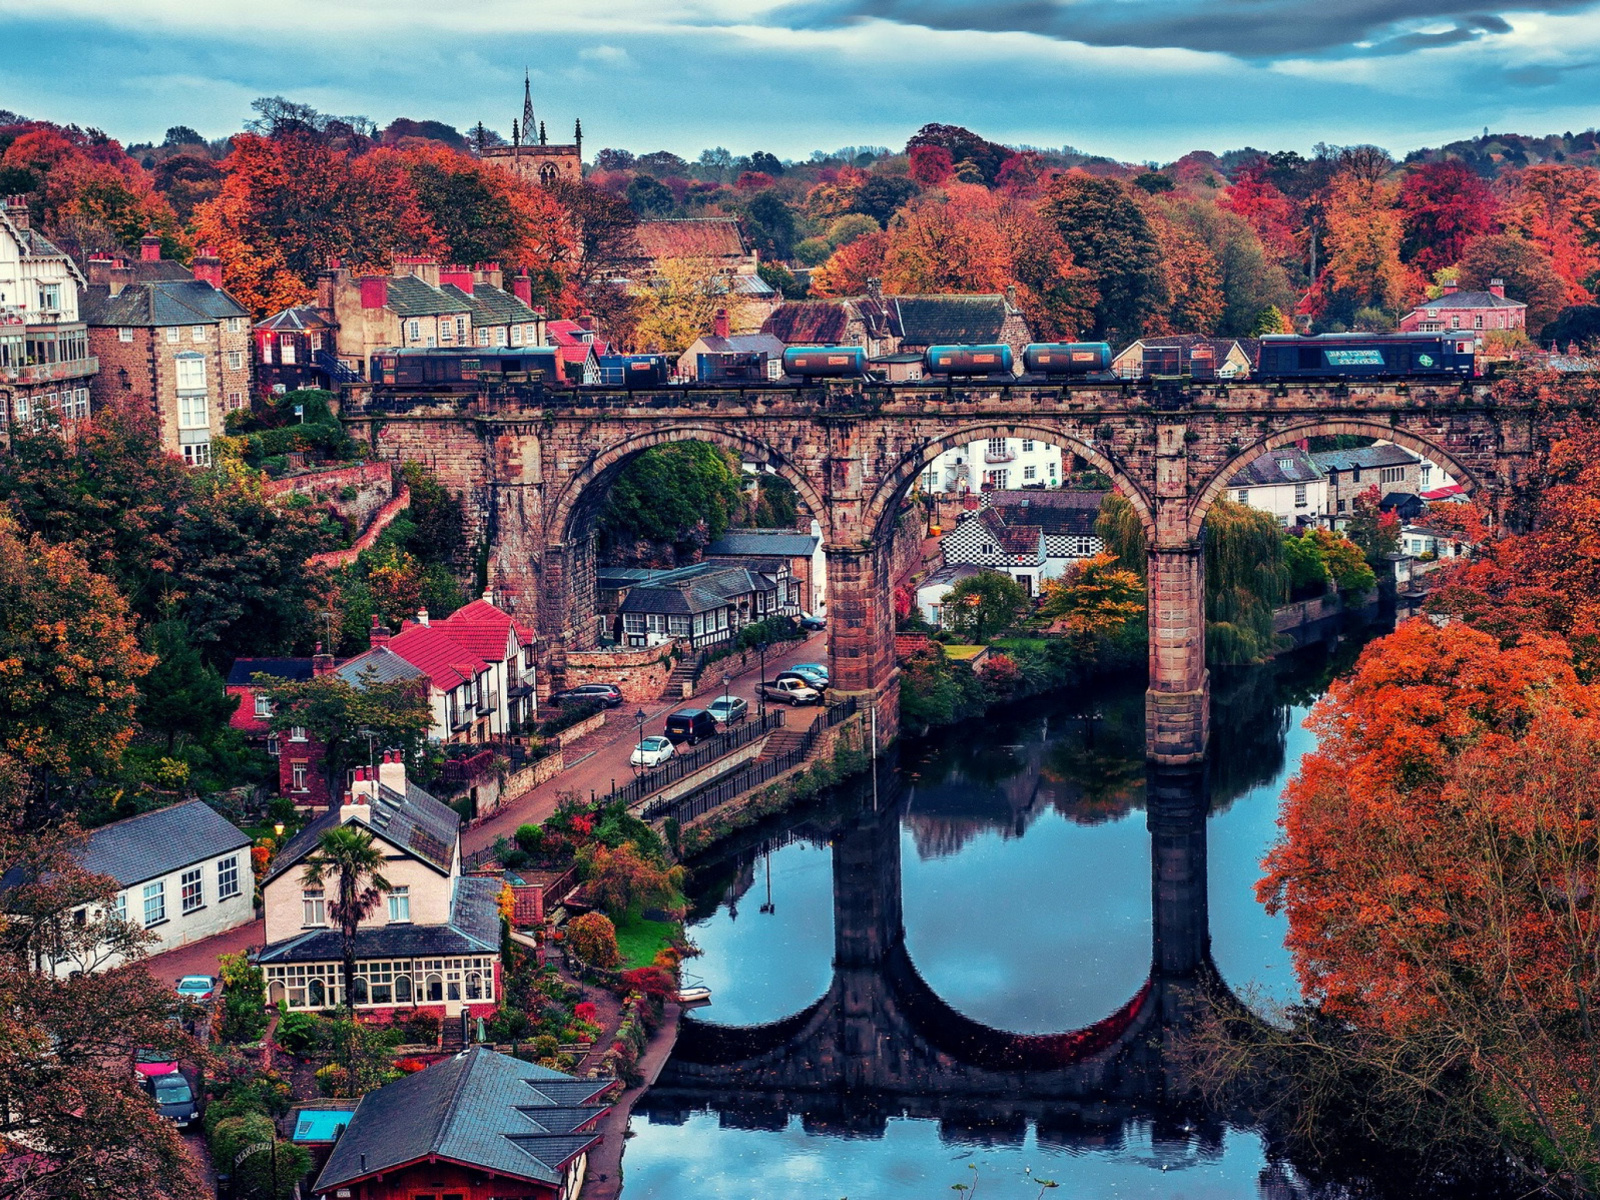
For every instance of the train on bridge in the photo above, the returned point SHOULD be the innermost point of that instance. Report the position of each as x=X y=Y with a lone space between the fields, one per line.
x=1324 y=358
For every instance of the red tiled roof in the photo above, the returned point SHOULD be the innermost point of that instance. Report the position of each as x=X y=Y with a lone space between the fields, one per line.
x=811 y=322
x=696 y=237
x=432 y=649
x=481 y=628
x=569 y=333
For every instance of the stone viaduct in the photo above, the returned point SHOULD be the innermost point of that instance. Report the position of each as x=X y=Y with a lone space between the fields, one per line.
x=535 y=465
x=881 y=1042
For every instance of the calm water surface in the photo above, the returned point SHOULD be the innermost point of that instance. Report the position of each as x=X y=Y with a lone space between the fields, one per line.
x=1024 y=863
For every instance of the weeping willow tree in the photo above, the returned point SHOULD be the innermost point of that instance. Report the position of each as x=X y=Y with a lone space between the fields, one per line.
x=1121 y=533
x=1245 y=578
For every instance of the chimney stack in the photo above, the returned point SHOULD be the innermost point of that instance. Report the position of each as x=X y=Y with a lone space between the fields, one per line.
x=422 y=617
x=460 y=276
x=99 y=271
x=719 y=323
x=378 y=635
x=208 y=267
x=321 y=664
x=374 y=291
x=1449 y=289
x=327 y=282
x=522 y=288
x=1497 y=287
x=489 y=274
x=17 y=210
x=392 y=771
x=149 y=248
x=121 y=276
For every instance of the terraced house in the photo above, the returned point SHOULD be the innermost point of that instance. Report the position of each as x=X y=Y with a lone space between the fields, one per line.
x=45 y=364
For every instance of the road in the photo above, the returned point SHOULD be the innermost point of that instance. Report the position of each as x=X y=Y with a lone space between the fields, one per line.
x=601 y=759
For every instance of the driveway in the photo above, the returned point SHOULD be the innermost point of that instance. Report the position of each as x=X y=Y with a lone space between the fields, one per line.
x=600 y=761
x=200 y=958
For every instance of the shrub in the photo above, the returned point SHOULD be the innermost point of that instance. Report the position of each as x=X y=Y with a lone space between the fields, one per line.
x=652 y=981
x=593 y=939
x=253 y=1174
x=300 y=1033
x=528 y=838
x=422 y=1028
x=244 y=999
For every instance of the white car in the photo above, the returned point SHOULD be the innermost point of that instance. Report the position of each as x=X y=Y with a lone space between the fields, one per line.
x=651 y=752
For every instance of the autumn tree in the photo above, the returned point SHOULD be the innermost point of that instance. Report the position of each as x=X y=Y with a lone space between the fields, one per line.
x=963 y=146
x=1437 y=870
x=1094 y=597
x=1108 y=235
x=984 y=605
x=339 y=715
x=1374 y=530
x=1363 y=247
x=1250 y=280
x=1529 y=274
x=1443 y=206
x=852 y=266
x=624 y=881
x=1256 y=199
x=1121 y=533
x=1557 y=208
x=592 y=938
x=931 y=166
x=1192 y=277
x=680 y=302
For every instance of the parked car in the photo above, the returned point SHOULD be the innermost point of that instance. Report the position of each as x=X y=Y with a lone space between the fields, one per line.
x=651 y=752
x=197 y=987
x=690 y=725
x=174 y=1097
x=813 y=673
x=813 y=621
x=791 y=689
x=608 y=694
x=153 y=1063
x=727 y=710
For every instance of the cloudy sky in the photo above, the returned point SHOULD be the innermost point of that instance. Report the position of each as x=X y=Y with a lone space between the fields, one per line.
x=1133 y=79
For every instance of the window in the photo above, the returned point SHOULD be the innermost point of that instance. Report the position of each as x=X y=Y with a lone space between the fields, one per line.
x=266 y=350
x=228 y=877
x=1455 y=322
x=414 y=331
x=297 y=733
x=124 y=334
x=192 y=412
x=297 y=776
x=197 y=454
x=155 y=903
x=172 y=333
x=500 y=336
x=235 y=359
x=474 y=986
x=516 y=335
x=435 y=988
x=1286 y=465
x=50 y=297
x=1051 y=468
x=286 y=350
x=483 y=337
x=461 y=330
x=235 y=401
x=527 y=335
x=199 y=333
x=444 y=331
x=192 y=890
x=1427 y=474
x=1242 y=495
x=272 y=744
x=1027 y=445
x=996 y=446
x=1477 y=321
x=314 y=909
x=1341 y=505
x=119 y=910
x=1030 y=472
x=1299 y=495
x=263 y=707
x=1391 y=474
x=988 y=548
x=191 y=372
x=400 y=905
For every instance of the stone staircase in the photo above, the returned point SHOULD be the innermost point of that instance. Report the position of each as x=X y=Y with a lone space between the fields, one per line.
x=781 y=741
x=683 y=678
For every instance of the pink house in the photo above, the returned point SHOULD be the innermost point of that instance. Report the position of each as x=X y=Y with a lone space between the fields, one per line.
x=1455 y=309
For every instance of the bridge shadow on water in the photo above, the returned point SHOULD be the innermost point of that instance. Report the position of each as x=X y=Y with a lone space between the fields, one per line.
x=881 y=1043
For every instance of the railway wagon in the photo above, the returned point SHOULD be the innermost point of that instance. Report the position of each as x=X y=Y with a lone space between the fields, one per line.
x=819 y=362
x=967 y=360
x=1366 y=355
x=1067 y=358
x=635 y=370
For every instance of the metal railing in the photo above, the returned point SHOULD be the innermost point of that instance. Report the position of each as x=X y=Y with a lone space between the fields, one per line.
x=679 y=765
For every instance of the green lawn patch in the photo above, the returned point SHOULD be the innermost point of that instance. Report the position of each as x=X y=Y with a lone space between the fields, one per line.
x=1019 y=643
x=640 y=941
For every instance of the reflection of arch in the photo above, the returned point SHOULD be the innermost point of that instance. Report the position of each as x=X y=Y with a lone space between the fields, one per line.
x=586 y=491
x=710 y=1045
x=910 y=468
x=1334 y=425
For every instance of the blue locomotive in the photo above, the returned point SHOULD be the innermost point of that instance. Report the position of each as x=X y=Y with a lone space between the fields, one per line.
x=1366 y=356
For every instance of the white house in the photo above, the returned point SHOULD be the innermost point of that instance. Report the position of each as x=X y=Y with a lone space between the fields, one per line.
x=932 y=591
x=45 y=364
x=1419 y=540
x=182 y=872
x=986 y=539
x=995 y=463
x=1285 y=483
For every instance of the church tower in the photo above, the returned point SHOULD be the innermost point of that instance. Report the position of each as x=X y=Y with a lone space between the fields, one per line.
x=530 y=155
x=528 y=125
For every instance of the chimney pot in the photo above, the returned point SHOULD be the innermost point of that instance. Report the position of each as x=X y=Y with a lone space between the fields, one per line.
x=1497 y=287
x=378 y=635
x=150 y=248
x=522 y=288
x=422 y=616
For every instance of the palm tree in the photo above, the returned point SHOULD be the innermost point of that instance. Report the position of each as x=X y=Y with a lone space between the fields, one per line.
x=350 y=856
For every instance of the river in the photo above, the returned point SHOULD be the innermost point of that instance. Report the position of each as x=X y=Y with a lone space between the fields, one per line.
x=999 y=883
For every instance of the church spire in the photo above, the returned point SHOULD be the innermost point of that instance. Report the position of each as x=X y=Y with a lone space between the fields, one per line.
x=528 y=125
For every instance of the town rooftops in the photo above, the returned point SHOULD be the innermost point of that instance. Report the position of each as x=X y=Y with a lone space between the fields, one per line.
x=1365 y=457
x=161 y=303
x=289 y=670
x=380 y=665
x=481 y=628
x=409 y=296
x=446 y=661
x=490 y=305
x=808 y=323
x=692 y=237
x=950 y=574
x=741 y=343
x=1289 y=464
x=764 y=543
x=1056 y=511
x=479 y=1109
x=413 y=821
x=473 y=928
x=1452 y=300
x=700 y=587
x=160 y=842
x=294 y=320
x=942 y=320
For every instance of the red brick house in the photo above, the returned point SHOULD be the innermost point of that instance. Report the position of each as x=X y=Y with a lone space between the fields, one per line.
x=478 y=1126
x=1478 y=311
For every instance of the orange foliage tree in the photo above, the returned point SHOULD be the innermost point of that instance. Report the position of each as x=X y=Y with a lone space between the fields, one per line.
x=1363 y=244
x=1558 y=209
x=1437 y=867
x=846 y=273
x=1194 y=280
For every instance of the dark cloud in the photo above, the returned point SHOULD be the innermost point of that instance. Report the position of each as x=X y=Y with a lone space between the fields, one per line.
x=1545 y=76
x=1243 y=28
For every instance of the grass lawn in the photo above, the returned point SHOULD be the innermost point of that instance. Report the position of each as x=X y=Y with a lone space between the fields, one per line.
x=640 y=940
x=1019 y=643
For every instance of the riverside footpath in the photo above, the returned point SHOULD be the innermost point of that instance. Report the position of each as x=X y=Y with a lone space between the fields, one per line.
x=600 y=760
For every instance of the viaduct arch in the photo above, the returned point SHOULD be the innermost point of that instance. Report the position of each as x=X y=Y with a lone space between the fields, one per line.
x=533 y=466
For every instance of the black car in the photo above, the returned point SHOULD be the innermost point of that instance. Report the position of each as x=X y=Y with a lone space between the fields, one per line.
x=690 y=725
x=608 y=694
x=174 y=1097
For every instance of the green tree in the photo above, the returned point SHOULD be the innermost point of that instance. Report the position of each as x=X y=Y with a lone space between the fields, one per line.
x=349 y=859
x=1305 y=567
x=336 y=713
x=1375 y=532
x=984 y=605
x=252 y=1139
x=181 y=694
x=1346 y=565
x=683 y=495
x=1108 y=235
x=1245 y=580
x=1529 y=273
x=1122 y=533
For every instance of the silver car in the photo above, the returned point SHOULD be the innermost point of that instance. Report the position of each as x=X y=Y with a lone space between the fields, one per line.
x=726 y=710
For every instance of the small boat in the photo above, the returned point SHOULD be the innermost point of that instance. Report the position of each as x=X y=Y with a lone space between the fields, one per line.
x=690 y=996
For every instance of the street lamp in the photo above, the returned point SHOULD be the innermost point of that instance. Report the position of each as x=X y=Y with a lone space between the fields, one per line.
x=726 y=680
x=761 y=649
x=638 y=718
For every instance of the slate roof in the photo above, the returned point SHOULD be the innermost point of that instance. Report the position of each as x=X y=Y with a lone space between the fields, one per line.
x=294 y=320
x=33 y=244
x=380 y=664
x=480 y=1109
x=950 y=574
x=740 y=343
x=446 y=661
x=1365 y=457
x=765 y=543
x=1468 y=300
x=411 y=297
x=949 y=320
x=697 y=588
x=1057 y=512
x=416 y=822
x=691 y=237
x=290 y=669
x=160 y=842
x=490 y=305
x=160 y=303
x=808 y=323
x=1266 y=470
x=474 y=928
